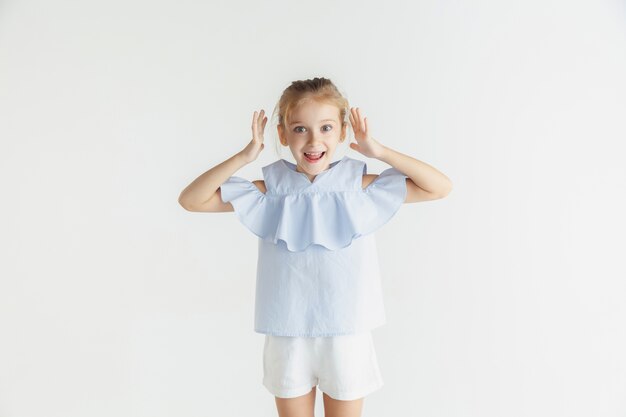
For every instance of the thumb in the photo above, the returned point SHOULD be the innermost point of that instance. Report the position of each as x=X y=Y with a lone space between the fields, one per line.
x=355 y=146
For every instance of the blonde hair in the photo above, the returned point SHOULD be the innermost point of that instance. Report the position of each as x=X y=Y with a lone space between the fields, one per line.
x=317 y=89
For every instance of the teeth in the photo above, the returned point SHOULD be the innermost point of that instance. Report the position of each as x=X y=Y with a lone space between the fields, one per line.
x=313 y=154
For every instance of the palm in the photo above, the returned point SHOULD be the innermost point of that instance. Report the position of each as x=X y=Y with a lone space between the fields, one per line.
x=252 y=150
x=366 y=144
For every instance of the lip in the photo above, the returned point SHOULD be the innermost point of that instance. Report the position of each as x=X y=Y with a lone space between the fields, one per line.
x=310 y=161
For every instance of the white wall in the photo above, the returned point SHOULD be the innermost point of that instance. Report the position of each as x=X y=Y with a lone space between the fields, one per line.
x=116 y=301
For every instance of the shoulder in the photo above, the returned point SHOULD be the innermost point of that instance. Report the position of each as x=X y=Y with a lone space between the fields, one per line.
x=260 y=184
x=367 y=179
x=359 y=166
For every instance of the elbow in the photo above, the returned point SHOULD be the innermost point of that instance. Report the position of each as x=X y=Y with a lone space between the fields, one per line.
x=184 y=203
x=447 y=190
x=444 y=192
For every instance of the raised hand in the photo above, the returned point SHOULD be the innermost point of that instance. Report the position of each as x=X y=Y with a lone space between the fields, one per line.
x=252 y=150
x=366 y=144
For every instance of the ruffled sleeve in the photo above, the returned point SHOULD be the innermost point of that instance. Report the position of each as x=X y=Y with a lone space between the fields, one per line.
x=385 y=195
x=249 y=204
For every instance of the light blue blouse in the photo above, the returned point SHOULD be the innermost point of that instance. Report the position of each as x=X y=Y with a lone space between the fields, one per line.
x=317 y=265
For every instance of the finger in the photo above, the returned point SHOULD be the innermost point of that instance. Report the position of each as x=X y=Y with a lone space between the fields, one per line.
x=260 y=120
x=254 y=119
x=366 y=127
x=353 y=120
x=254 y=125
x=260 y=123
x=359 y=118
x=361 y=121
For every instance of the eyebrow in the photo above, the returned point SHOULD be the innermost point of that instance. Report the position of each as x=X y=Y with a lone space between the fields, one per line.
x=325 y=120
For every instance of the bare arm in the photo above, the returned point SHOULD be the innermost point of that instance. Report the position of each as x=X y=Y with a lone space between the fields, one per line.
x=204 y=194
x=424 y=183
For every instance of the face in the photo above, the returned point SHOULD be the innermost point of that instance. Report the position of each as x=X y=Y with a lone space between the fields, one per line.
x=314 y=128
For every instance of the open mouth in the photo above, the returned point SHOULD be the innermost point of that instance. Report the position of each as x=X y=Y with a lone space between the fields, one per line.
x=313 y=156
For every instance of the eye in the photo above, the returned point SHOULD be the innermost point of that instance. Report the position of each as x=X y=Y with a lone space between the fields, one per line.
x=330 y=126
x=296 y=129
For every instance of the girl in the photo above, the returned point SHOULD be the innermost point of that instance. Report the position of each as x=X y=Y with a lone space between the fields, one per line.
x=318 y=292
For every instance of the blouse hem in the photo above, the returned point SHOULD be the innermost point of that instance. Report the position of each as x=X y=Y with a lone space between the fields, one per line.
x=324 y=334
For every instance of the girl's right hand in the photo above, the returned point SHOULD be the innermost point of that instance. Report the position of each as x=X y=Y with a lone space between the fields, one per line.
x=252 y=150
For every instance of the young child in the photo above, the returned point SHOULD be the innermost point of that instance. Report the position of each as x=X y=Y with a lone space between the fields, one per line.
x=318 y=291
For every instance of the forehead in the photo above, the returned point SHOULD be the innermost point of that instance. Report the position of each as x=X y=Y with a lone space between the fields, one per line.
x=314 y=111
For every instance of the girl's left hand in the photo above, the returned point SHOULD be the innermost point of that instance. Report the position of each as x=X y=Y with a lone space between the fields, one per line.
x=367 y=145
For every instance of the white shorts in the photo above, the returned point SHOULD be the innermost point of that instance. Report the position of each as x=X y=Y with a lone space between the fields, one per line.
x=345 y=367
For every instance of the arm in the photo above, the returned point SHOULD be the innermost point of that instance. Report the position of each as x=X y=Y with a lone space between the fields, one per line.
x=424 y=182
x=203 y=194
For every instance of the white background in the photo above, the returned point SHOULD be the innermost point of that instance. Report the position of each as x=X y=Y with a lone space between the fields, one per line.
x=504 y=299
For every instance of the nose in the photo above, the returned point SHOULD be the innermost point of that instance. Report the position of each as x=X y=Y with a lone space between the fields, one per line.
x=315 y=137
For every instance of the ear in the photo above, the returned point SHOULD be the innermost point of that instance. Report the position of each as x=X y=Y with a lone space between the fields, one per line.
x=343 y=131
x=283 y=141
